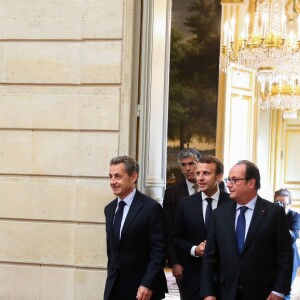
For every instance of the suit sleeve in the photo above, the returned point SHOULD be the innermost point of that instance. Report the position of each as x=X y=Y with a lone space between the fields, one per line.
x=169 y=209
x=294 y=225
x=181 y=240
x=158 y=246
x=284 y=255
x=107 y=242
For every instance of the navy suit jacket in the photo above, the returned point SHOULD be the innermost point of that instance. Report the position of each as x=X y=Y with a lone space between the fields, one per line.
x=265 y=264
x=139 y=257
x=293 y=219
x=189 y=231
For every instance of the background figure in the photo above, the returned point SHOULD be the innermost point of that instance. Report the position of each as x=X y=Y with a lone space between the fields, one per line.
x=248 y=243
x=187 y=160
x=192 y=221
x=284 y=198
x=136 y=238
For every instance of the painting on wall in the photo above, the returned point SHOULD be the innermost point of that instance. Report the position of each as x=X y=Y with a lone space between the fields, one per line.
x=194 y=70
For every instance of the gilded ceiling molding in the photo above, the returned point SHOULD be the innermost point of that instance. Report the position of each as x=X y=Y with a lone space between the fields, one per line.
x=231 y=1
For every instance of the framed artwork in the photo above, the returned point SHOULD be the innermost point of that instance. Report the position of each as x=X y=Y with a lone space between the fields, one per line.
x=194 y=72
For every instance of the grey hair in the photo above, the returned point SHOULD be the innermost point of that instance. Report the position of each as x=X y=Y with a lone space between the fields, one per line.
x=284 y=193
x=188 y=152
x=130 y=163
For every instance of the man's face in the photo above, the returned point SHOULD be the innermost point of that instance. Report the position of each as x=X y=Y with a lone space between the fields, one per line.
x=284 y=201
x=240 y=190
x=188 y=168
x=121 y=183
x=207 y=178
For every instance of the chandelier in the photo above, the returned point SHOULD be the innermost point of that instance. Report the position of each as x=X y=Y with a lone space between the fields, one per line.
x=273 y=42
x=271 y=49
x=279 y=91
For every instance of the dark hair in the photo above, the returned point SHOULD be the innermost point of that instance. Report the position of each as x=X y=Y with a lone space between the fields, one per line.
x=252 y=171
x=130 y=163
x=210 y=159
x=188 y=152
x=284 y=193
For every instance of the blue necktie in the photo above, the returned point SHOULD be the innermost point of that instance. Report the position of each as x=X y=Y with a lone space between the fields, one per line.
x=241 y=228
x=208 y=212
x=118 y=220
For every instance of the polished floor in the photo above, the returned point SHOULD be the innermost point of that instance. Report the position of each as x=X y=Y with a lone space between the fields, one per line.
x=174 y=295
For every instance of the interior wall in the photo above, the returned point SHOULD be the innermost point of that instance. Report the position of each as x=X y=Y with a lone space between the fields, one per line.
x=65 y=96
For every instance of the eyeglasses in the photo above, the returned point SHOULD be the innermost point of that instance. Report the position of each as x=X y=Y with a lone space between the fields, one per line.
x=282 y=204
x=234 y=180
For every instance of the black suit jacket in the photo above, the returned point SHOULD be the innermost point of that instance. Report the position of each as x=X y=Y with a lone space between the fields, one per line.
x=170 y=203
x=189 y=231
x=139 y=257
x=265 y=264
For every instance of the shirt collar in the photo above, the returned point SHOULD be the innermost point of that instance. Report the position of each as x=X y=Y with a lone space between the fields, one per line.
x=129 y=198
x=189 y=185
x=215 y=196
x=250 y=204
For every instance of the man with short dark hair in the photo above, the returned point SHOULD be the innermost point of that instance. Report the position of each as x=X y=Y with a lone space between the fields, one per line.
x=136 y=238
x=193 y=220
x=187 y=160
x=248 y=244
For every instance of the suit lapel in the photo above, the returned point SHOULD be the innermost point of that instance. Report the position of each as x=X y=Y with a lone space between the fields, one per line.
x=221 y=200
x=135 y=207
x=231 y=227
x=198 y=198
x=258 y=214
x=110 y=216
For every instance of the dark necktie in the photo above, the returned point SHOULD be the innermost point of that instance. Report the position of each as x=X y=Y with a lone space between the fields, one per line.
x=118 y=220
x=241 y=228
x=208 y=211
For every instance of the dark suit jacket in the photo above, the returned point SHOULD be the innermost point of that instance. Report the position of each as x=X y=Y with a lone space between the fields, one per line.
x=189 y=231
x=139 y=257
x=171 y=200
x=293 y=219
x=265 y=264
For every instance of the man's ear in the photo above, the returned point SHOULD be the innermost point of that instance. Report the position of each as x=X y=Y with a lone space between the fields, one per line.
x=219 y=177
x=134 y=177
x=252 y=182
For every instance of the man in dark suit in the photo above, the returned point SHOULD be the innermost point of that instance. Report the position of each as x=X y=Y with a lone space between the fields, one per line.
x=187 y=160
x=136 y=238
x=283 y=197
x=192 y=221
x=248 y=244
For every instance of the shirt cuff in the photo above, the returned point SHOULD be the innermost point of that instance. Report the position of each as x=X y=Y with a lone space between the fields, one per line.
x=278 y=294
x=193 y=251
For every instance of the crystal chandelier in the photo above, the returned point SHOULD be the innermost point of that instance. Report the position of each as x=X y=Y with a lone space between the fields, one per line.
x=279 y=91
x=271 y=49
x=273 y=42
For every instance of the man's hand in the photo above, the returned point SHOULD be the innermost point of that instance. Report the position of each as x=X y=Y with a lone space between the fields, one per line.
x=177 y=271
x=199 y=251
x=274 y=297
x=143 y=293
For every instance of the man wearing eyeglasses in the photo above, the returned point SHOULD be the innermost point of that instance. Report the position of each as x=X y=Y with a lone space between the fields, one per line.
x=283 y=198
x=248 y=243
x=193 y=219
x=187 y=160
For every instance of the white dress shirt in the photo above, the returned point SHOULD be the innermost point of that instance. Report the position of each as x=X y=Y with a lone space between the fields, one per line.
x=214 y=204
